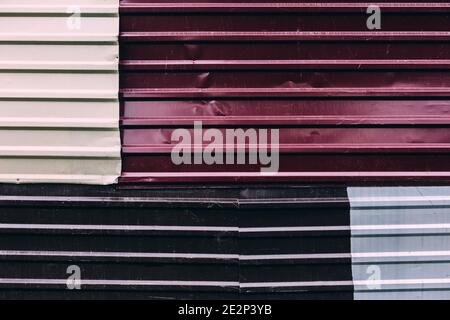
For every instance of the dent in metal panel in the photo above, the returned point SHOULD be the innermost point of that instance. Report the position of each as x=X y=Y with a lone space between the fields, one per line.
x=352 y=104
x=400 y=242
x=59 y=109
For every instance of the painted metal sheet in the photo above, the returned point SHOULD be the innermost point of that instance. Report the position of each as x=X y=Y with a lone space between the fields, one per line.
x=352 y=105
x=400 y=242
x=173 y=243
x=225 y=243
x=59 y=109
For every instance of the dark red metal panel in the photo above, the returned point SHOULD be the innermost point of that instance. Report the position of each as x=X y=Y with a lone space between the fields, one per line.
x=352 y=105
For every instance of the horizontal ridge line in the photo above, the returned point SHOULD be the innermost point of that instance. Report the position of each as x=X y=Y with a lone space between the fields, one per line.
x=300 y=148
x=245 y=257
x=220 y=229
x=283 y=92
x=285 y=35
x=288 y=120
x=280 y=7
x=281 y=64
x=246 y=177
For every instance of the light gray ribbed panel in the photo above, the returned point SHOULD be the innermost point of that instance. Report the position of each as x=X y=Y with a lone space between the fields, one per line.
x=59 y=82
x=401 y=242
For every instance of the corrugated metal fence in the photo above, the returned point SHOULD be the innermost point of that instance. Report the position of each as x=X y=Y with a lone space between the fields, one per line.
x=166 y=244
x=59 y=109
x=400 y=242
x=351 y=104
x=300 y=243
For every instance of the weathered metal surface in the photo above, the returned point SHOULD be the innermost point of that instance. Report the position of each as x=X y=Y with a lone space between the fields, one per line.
x=59 y=109
x=352 y=105
x=188 y=243
x=218 y=243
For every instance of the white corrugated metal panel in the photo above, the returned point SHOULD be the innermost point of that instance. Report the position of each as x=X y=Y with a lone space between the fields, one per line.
x=400 y=242
x=59 y=108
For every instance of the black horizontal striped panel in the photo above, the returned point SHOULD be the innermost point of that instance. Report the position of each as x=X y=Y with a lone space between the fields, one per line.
x=119 y=294
x=169 y=252
x=126 y=272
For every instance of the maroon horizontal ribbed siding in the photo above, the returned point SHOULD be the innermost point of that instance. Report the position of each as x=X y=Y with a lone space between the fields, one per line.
x=352 y=105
